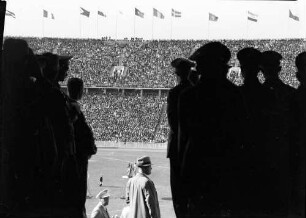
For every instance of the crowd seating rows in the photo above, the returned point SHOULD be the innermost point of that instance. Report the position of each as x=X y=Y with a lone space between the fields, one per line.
x=148 y=62
x=134 y=118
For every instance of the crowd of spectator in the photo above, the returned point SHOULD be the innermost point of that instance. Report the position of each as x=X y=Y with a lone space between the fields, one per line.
x=126 y=118
x=134 y=118
x=148 y=62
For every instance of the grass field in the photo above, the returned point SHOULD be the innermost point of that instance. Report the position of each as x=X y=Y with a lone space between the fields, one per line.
x=112 y=164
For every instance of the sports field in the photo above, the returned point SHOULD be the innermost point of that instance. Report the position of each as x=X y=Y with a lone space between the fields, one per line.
x=112 y=164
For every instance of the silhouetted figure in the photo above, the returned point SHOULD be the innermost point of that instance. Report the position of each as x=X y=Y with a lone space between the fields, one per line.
x=298 y=141
x=254 y=130
x=21 y=170
x=84 y=139
x=182 y=68
x=276 y=148
x=58 y=111
x=209 y=139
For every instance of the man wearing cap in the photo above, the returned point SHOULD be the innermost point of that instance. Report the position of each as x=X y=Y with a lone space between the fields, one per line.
x=100 y=211
x=209 y=139
x=142 y=194
x=276 y=148
x=255 y=129
x=182 y=68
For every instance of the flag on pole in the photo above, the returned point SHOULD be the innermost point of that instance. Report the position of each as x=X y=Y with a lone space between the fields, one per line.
x=175 y=13
x=45 y=13
x=252 y=17
x=158 y=14
x=292 y=16
x=52 y=16
x=84 y=12
x=101 y=14
x=139 y=13
x=10 y=14
x=212 y=17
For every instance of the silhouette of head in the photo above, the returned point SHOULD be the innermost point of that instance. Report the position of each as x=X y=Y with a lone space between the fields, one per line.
x=75 y=88
x=51 y=67
x=249 y=59
x=212 y=59
x=182 y=67
x=270 y=65
x=63 y=67
x=300 y=62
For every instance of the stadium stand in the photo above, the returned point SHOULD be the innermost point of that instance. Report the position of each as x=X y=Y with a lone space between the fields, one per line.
x=133 y=116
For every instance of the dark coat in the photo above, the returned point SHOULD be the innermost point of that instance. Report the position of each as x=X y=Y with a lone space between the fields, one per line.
x=209 y=140
x=172 y=105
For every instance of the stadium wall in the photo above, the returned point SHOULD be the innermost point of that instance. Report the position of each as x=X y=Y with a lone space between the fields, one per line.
x=136 y=145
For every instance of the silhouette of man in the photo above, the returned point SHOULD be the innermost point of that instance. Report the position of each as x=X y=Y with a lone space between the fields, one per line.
x=298 y=140
x=209 y=139
x=254 y=128
x=84 y=139
x=182 y=68
x=276 y=148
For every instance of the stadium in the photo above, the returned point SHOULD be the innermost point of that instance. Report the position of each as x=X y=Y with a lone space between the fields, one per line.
x=124 y=62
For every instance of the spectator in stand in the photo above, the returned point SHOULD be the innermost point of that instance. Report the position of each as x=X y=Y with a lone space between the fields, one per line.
x=83 y=135
x=182 y=68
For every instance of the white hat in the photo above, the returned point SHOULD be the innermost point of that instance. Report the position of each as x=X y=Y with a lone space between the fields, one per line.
x=103 y=194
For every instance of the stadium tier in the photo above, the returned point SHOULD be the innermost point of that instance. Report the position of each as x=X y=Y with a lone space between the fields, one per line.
x=127 y=64
x=146 y=64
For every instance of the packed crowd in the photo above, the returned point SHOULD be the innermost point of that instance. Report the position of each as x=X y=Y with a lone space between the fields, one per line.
x=134 y=118
x=148 y=61
x=128 y=118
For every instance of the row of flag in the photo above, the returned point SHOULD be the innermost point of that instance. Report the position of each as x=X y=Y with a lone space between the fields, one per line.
x=211 y=17
x=251 y=16
x=156 y=13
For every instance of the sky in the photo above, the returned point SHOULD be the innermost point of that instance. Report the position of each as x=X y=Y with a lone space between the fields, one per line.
x=273 y=19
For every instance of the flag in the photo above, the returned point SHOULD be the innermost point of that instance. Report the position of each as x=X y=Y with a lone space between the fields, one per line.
x=294 y=17
x=139 y=13
x=52 y=16
x=45 y=13
x=158 y=14
x=10 y=14
x=213 y=17
x=175 y=13
x=252 y=17
x=101 y=14
x=85 y=12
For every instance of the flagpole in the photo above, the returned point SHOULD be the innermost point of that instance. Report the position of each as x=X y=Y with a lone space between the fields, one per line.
x=97 y=27
x=116 y=24
x=208 y=29
x=134 y=24
x=247 y=26
x=43 y=27
x=152 y=26
x=171 y=28
x=80 y=25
